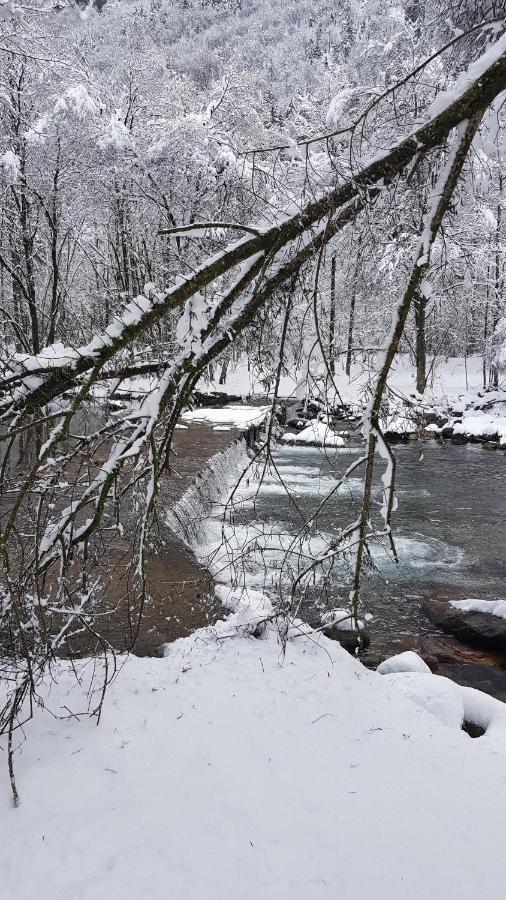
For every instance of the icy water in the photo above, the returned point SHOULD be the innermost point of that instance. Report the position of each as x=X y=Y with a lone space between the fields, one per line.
x=449 y=531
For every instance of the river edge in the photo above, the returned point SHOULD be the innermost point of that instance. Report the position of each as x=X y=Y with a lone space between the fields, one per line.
x=467 y=665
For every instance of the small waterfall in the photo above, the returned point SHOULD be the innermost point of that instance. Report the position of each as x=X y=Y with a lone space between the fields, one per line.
x=188 y=517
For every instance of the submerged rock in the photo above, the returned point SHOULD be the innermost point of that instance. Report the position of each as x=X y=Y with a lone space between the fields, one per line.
x=472 y=627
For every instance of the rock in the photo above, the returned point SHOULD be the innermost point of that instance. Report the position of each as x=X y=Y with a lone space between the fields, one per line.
x=215 y=398
x=482 y=629
x=447 y=431
x=395 y=437
x=350 y=639
x=459 y=438
x=473 y=730
x=434 y=418
x=310 y=409
x=490 y=445
x=439 y=649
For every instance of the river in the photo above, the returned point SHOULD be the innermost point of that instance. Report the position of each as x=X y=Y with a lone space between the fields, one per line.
x=449 y=533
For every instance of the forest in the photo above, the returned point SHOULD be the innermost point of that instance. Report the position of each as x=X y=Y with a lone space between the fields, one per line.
x=252 y=448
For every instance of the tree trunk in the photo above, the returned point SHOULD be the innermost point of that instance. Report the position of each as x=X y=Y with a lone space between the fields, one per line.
x=332 y=317
x=420 y=306
x=351 y=324
x=498 y=288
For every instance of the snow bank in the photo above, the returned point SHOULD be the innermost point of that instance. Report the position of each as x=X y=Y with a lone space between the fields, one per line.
x=449 y=377
x=317 y=433
x=439 y=696
x=447 y=701
x=226 y=771
x=491 y=607
x=484 y=417
x=233 y=416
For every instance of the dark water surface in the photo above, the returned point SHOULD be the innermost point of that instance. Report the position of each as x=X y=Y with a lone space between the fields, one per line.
x=449 y=530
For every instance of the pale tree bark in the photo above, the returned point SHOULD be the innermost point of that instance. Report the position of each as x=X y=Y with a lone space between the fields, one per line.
x=332 y=316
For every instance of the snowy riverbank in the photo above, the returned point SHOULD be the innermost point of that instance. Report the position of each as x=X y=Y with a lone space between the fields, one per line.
x=454 y=404
x=228 y=770
x=224 y=771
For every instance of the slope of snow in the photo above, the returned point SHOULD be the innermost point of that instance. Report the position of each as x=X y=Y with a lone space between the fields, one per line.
x=224 y=772
x=488 y=422
x=448 y=378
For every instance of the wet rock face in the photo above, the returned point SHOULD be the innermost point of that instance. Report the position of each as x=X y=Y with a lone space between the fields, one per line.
x=215 y=398
x=477 y=628
x=441 y=650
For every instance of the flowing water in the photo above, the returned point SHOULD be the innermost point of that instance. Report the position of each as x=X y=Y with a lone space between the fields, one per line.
x=449 y=533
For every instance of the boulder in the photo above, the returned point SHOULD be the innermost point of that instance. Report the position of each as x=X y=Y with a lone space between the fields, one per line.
x=351 y=639
x=479 y=628
x=215 y=398
x=297 y=423
x=441 y=649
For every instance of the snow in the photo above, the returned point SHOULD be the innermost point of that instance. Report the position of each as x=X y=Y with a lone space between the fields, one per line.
x=231 y=416
x=226 y=771
x=439 y=696
x=448 y=378
x=409 y=661
x=10 y=164
x=490 y=607
x=317 y=433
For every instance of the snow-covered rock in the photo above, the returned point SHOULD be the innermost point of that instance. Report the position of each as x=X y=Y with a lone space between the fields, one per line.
x=409 y=661
x=317 y=434
x=490 y=607
x=472 y=621
x=341 y=617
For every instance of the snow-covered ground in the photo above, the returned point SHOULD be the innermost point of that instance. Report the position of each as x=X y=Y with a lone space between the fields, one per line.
x=454 y=393
x=226 y=772
x=447 y=378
